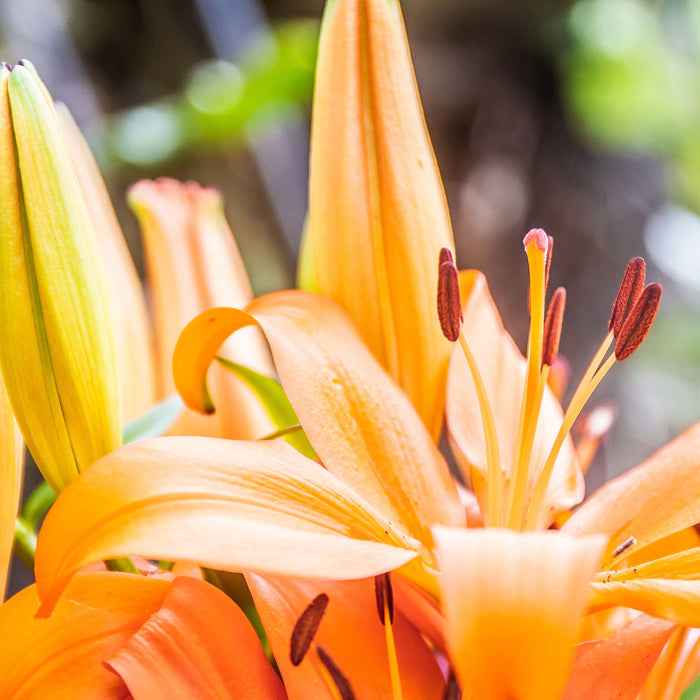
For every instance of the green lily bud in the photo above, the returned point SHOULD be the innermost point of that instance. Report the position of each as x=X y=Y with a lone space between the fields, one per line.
x=56 y=319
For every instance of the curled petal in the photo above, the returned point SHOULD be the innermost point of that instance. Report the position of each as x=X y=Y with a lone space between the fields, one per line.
x=225 y=504
x=361 y=425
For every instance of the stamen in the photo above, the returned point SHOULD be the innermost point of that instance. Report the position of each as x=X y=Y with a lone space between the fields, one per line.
x=628 y=294
x=385 y=597
x=449 y=303
x=339 y=680
x=306 y=627
x=638 y=322
x=552 y=327
x=387 y=611
x=494 y=476
x=629 y=542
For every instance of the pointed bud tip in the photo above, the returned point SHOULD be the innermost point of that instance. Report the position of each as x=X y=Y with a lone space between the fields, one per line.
x=538 y=238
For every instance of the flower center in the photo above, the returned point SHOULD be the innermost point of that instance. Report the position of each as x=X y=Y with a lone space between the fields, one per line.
x=634 y=310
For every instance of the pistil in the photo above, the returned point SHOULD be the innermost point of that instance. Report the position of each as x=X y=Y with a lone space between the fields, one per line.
x=537 y=248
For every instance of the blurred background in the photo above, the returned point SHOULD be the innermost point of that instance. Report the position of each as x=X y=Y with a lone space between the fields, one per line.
x=579 y=117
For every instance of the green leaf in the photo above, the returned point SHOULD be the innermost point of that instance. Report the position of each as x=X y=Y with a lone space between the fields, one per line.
x=276 y=403
x=692 y=692
x=154 y=422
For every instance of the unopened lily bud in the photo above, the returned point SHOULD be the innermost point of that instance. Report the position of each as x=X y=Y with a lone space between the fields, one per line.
x=134 y=337
x=57 y=352
x=377 y=209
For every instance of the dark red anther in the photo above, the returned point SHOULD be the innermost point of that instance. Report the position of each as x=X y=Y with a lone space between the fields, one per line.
x=638 y=321
x=385 y=597
x=449 y=302
x=552 y=327
x=628 y=294
x=306 y=627
x=341 y=682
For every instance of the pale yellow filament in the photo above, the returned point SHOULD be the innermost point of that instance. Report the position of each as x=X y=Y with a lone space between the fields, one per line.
x=396 y=691
x=583 y=393
x=494 y=477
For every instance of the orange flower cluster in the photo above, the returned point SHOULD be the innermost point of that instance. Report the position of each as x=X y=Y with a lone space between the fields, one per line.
x=297 y=533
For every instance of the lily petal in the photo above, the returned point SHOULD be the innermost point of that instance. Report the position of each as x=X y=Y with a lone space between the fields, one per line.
x=677 y=667
x=377 y=210
x=668 y=587
x=502 y=369
x=61 y=657
x=224 y=504
x=361 y=425
x=199 y=644
x=351 y=633
x=659 y=497
x=616 y=668
x=513 y=604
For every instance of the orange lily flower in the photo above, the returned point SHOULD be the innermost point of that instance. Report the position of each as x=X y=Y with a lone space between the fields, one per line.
x=377 y=209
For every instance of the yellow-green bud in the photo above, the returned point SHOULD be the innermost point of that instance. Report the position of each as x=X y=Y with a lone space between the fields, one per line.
x=56 y=319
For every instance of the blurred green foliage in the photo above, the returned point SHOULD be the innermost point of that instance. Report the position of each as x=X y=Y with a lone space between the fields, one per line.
x=630 y=76
x=221 y=101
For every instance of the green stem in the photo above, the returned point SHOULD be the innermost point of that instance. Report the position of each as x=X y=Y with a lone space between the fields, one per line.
x=25 y=542
x=38 y=504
